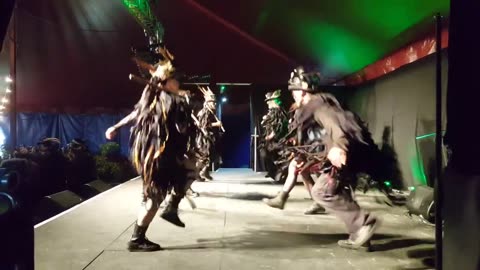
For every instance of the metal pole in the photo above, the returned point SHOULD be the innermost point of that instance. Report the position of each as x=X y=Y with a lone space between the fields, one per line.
x=220 y=110
x=255 y=149
x=438 y=148
x=220 y=105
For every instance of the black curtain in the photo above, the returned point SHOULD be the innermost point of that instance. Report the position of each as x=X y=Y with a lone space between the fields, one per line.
x=463 y=87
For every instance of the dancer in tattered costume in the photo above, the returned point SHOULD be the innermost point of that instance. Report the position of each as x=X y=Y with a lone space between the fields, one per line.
x=208 y=128
x=274 y=127
x=330 y=144
x=162 y=148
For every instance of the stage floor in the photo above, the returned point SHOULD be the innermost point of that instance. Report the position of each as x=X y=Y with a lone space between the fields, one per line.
x=230 y=229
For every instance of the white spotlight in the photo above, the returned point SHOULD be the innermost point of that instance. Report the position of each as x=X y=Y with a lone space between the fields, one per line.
x=8 y=79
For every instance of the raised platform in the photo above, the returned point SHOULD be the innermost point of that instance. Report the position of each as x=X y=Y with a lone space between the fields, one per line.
x=230 y=229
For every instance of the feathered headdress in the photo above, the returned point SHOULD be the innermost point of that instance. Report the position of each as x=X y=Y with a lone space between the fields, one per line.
x=207 y=94
x=164 y=68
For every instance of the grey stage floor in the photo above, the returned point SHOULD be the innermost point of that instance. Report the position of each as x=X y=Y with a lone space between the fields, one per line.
x=230 y=229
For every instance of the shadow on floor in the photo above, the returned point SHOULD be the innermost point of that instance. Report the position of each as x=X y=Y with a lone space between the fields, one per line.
x=245 y=181
x=427 y=255
x=401 y=243
x=249 y=196
x=263 y=239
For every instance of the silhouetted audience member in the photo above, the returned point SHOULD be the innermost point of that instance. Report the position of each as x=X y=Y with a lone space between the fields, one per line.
x=80 y=164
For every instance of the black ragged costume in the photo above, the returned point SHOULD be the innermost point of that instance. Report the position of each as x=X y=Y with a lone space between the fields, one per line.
x=274 y=123
x=162 y=142
x=205 y=140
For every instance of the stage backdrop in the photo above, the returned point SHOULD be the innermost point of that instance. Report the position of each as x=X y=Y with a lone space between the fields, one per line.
x=399 y=109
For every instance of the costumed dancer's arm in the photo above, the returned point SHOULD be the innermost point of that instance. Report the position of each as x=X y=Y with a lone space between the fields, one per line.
x=111 y=131
x=270 y=136
x=338 y=147
x=217 y=124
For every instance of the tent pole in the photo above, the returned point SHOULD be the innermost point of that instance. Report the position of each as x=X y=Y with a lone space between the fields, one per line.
x=438 y=147
x=13 y=75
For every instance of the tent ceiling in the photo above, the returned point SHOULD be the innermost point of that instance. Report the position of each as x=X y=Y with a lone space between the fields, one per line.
x=77 y=53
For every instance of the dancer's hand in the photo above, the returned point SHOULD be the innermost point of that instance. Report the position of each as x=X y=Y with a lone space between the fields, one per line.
x=337 y=156
x=110 y=133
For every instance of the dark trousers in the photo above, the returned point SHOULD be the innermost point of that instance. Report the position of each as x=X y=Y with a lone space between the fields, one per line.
x=338 y=200
x=269 y=159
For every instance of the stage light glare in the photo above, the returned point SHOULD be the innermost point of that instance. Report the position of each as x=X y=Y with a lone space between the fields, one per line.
x=8 y=79
x=224 y=99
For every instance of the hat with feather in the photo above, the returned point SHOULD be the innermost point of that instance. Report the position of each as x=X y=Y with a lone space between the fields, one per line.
x=273 y=95
x=301 y=80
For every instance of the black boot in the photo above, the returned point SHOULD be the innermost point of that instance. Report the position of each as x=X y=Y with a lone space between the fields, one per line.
x=170 y=213
x=139 y=243
x=205 y=175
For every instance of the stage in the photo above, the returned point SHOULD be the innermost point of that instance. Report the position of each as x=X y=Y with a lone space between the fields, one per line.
x=231 y=228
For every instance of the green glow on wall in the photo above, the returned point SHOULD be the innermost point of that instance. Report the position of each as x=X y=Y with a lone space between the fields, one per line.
x=425 y=136
x=346 y=35
x=418 y=172
x=335 y=47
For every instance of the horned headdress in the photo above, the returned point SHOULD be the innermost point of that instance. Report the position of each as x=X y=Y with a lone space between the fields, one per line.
x=207 y=93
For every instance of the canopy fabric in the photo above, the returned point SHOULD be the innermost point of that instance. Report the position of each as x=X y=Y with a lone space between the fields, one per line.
x=75 y=55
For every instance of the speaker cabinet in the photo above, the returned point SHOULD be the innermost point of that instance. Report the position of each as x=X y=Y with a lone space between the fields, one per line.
x=420 y=203
x=54 y=204
x=91 y=189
